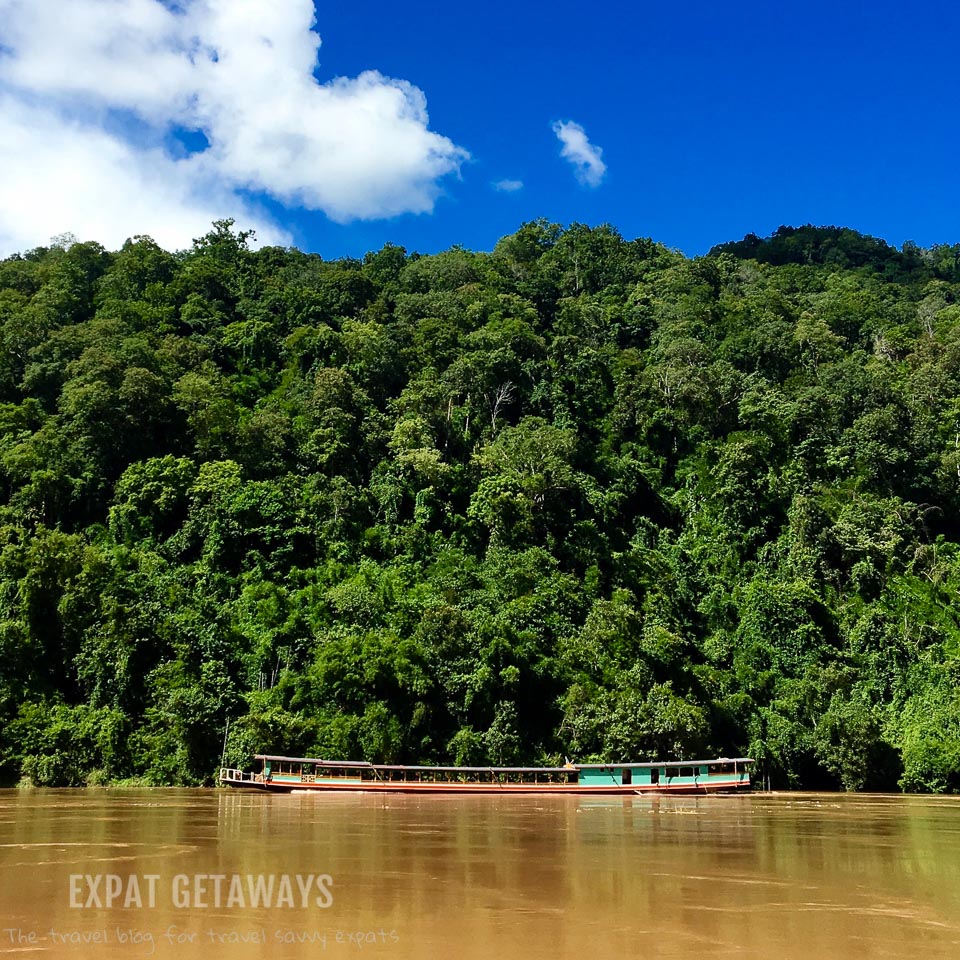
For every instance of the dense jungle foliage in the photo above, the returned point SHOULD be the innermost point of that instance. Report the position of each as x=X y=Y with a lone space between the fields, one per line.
x=579 y=496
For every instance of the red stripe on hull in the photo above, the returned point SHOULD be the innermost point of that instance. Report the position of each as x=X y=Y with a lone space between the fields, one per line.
x=494 y=789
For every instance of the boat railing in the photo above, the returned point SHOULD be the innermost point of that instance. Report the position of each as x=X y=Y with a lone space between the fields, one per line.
x=233 y=775
x=502 y=776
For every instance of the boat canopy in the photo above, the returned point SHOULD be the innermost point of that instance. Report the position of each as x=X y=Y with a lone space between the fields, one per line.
x=363 y=764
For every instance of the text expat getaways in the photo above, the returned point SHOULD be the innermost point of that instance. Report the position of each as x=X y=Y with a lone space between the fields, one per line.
x=201 y=890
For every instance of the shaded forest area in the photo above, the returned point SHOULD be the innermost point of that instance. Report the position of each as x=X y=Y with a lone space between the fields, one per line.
x=578 y=497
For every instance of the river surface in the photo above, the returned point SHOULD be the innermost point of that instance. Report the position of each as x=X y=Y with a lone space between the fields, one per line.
x=772 y=876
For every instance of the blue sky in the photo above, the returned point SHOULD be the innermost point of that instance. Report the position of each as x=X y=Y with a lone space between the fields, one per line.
x=713 y=120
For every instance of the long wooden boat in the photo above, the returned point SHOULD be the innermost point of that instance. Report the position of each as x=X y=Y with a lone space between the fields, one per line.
x=310 y=774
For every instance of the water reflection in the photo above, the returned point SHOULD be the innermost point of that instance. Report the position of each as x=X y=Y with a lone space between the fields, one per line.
x=783 y=876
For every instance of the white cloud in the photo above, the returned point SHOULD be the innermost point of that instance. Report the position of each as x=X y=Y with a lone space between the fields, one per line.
x=77 y=76
x=58 y=176
x=508 y=186
x=585 y=157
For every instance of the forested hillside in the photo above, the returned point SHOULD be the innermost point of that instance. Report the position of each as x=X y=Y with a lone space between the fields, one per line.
x=575 y=497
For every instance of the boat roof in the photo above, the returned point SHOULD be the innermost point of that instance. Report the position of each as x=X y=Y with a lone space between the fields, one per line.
x=573 y=766
x=403 y=766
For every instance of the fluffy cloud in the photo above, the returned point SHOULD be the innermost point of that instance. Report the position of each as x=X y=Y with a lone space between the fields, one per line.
x=91 y=91
x=60 y=176
x=508 y=186
x=585 y=157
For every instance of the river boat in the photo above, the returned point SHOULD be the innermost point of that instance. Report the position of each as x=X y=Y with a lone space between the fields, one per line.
x=305 y=774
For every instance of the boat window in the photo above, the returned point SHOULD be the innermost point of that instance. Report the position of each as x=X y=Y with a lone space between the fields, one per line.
x=672 y=772
x=719 y=769
x=627 y=777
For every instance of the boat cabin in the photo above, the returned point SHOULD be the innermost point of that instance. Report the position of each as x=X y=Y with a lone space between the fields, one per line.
x=680 y=774
x=301 y=770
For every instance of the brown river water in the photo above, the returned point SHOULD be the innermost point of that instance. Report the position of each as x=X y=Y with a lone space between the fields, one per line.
x=773 y=876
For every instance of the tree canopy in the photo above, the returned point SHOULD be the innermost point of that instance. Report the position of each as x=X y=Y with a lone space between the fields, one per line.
x=578 y=496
